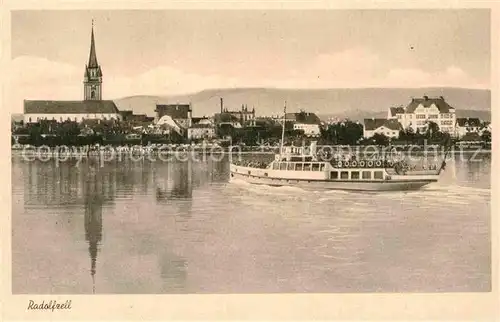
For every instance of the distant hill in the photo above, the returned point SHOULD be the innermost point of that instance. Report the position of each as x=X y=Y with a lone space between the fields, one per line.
x=352 y=103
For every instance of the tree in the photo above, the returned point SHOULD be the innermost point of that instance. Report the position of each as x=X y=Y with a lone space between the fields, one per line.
x=380 y=139
x=432 y=130
x=486 y=136
x=348 y=133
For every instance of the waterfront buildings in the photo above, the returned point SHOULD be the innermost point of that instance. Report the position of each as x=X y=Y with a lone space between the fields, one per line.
x=200 y=131
x=180 y=113
x=388 y=127
x=308 y=122
x=236 y=118
x=92 y=106
x=420 y=111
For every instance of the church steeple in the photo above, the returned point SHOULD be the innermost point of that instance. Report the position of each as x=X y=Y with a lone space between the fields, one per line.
x=92 y=56
x=92 y=83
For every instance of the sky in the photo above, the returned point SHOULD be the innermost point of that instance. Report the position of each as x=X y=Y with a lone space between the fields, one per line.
x=166 y=52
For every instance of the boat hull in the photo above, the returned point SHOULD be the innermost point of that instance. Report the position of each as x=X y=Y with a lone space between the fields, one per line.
x=400 y=183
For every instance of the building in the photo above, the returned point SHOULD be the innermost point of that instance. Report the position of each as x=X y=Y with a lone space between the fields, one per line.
x=310 y=123
x=203 y=120
x=420 y=111
x=227 y=120
x=92 y=106
x=390 y=128
x=467 y=125
x=77 y=111
x=201 y=131
x=394 y=111
x=240 y=118
x=180 y=113
x=129 y=116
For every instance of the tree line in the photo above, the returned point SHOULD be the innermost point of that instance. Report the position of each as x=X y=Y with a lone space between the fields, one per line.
x=113 y=133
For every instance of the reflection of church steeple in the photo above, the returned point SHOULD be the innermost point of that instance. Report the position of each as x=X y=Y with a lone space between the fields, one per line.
x=93 y=222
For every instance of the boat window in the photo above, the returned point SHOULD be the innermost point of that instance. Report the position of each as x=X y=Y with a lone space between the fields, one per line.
x=367 y=174
x=354 y=174
x=344 y=175
x=275 y=166
x=283 y=166
x=378 y=175
x=322 y=167
x=334 y=175
x=307 y=167
x=315 y=167
x=298 y=166
x=290 y=166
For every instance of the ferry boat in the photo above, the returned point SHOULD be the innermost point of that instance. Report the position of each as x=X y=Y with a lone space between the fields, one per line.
x=307 y=171
x=294 y=166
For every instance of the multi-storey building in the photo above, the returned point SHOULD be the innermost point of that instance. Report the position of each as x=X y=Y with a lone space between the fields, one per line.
x=420 y=111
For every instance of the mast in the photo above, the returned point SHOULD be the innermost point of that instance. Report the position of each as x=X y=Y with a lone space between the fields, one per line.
x=283 y=129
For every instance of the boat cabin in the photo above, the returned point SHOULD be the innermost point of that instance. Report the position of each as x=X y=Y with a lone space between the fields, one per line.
x=299 y=166
x=334 y=174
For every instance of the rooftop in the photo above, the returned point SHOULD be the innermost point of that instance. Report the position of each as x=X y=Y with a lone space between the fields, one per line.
x=69 y=107
x=426 y=102
x=373 y=124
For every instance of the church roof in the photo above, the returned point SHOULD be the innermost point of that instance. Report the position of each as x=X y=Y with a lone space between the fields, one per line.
x=69 y=107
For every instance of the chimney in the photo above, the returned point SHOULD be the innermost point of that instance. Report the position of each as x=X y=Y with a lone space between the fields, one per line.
x=221 y=104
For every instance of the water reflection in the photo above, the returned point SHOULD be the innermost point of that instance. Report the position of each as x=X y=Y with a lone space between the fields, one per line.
x=93 y=202
x=172 y=227
x=93 y=190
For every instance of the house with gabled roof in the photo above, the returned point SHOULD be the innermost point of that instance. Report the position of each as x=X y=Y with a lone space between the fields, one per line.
x=420 y=111
x=308 y=122
x=92 y=106
x=389 y=128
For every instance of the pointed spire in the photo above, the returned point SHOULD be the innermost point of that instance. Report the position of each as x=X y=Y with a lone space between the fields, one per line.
x=92 y=57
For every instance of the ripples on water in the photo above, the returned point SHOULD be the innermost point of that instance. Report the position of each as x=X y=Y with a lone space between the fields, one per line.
x=179 y=227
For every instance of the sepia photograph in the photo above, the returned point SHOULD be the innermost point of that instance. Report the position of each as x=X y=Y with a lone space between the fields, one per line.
x=249 y=152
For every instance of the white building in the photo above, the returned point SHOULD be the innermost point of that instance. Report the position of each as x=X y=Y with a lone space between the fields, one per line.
x=309 y=129
x=467 y=125
x=390 y=128
x=201 y=131
x=305 y=121
x=421 y=111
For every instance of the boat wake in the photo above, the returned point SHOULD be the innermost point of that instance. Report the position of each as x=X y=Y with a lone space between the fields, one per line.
x=432 y=194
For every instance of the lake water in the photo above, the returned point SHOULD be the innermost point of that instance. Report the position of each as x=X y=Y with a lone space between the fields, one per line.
x=180 y=227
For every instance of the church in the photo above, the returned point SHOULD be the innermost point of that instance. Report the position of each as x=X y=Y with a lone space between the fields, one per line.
x=92 y=106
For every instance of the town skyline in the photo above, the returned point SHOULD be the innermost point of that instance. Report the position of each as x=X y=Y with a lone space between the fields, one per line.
x=49 y=55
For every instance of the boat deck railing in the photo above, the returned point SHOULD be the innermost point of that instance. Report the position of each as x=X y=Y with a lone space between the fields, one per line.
x=251 y=164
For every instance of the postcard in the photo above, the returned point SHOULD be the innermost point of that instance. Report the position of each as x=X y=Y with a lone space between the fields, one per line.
x=250 y=161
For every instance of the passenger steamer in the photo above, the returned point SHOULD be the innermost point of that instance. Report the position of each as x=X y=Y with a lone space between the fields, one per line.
x=294 y=166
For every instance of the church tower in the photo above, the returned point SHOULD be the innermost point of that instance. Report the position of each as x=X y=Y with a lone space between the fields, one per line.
x=92 y=82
